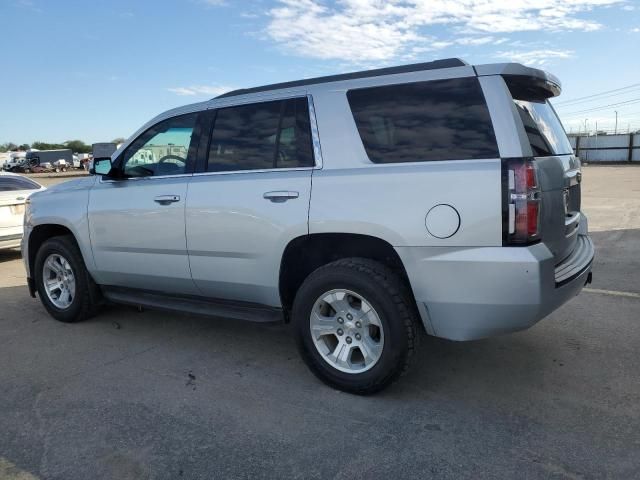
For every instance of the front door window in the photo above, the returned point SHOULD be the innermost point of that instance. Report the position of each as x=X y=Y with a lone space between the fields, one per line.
x=161 y=150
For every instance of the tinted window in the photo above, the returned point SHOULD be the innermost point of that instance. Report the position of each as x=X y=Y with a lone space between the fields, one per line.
x=418 y=122
x=161 y=150
x=545 y=132
x=8 y=184
x=261 y=136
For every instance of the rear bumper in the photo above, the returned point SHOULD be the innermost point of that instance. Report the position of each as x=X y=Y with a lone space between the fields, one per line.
x=472 y=293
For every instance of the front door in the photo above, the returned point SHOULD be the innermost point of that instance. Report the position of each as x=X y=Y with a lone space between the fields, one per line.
x=137 y=224
x=251 y=199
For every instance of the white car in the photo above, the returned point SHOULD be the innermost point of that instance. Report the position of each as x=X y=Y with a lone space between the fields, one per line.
x=14 y=191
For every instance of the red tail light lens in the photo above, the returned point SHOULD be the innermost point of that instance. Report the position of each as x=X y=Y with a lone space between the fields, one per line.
x=521 y=195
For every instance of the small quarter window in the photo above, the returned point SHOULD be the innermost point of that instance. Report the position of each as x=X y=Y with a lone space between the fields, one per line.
x=424 y=121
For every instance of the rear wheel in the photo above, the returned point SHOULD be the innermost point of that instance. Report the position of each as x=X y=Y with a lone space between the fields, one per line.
x=355 y=325
x=64 y=285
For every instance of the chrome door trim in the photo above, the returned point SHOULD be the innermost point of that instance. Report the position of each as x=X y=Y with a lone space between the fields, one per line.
x=138 y=179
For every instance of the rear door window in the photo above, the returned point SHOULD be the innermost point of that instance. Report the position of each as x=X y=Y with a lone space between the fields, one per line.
x=424 y=121
x=261 y=136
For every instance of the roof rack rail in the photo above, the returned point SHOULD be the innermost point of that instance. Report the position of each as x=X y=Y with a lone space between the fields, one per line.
x=415 y=67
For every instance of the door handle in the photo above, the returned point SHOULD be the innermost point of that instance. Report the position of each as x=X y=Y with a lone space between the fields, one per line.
x=280 y=196
x=166 y=199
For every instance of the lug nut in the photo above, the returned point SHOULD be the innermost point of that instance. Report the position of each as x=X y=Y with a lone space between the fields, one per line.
x=358 y=324
x=340 y=320
x=340 y=332
x=348 y=339
x=349 y=316
x=358 y=337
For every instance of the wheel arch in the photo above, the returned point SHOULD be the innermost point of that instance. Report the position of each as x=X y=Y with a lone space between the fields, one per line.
x=304 y=254
x=38 y=235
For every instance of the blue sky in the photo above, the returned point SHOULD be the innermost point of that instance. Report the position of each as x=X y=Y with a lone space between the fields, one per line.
x=96 y=70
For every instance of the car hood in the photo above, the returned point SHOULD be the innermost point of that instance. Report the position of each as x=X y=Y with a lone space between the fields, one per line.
x=67 y=186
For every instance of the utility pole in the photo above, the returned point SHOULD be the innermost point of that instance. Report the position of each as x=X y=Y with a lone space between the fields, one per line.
x=585 y=127
x=615 y=131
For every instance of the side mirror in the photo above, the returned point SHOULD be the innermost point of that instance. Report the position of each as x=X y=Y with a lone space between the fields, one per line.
x=100 y=166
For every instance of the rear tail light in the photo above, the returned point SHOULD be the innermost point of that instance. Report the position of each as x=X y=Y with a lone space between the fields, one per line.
x=521 y=197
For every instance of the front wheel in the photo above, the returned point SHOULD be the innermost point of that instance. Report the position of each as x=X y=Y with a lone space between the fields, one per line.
x=64 y=285
x=355 y=325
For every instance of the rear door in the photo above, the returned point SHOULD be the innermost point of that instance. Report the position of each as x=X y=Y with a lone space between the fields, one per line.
x=558 y=169
x=250 y=198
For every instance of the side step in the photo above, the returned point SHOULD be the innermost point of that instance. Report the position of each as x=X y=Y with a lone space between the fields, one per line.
x=197 y=305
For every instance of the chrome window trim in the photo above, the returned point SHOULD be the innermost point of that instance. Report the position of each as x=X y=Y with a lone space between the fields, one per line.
x=103 y=179
x=315 y=134
x=262 y=170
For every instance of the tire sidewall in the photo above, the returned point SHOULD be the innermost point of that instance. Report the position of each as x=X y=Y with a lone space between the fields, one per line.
x=57 y=246
x=395 y=337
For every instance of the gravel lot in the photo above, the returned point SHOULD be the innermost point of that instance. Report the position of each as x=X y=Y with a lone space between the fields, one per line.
x=131 y=395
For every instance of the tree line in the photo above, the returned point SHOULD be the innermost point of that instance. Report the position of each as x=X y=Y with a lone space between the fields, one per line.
x=76 y=146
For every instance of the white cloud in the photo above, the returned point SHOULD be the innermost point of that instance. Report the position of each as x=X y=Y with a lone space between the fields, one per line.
x=480 y=40
x=360 y=31
x=534 y=57
x=201 y=90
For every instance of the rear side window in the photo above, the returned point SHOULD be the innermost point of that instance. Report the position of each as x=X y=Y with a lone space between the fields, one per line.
x=546 y=134
x=261 y=136
x=8 y=184
x=424 y=121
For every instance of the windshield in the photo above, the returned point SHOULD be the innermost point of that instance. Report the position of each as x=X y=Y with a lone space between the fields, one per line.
x=546 y=134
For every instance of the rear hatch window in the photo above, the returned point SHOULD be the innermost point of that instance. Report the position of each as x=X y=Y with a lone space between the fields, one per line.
x=541 y=123
x=546 y=134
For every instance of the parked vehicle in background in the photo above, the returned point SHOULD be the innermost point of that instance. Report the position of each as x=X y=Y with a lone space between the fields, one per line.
x=13 y=159
x=14 y=191
x=62 y=165
x=35 y=158
x=446 y=198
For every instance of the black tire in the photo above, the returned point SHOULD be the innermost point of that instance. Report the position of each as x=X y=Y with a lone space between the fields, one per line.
x=87 y=299
x=389 y=296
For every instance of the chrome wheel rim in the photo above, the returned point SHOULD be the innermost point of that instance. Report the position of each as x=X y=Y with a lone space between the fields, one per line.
x=59 y=280
x=347 y=331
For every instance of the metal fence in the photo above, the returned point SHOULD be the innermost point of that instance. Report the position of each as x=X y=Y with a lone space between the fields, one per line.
x=607 y=148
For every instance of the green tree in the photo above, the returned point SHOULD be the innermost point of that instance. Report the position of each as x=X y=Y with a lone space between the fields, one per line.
x=118 y=140
x=8 y=147
x=46 y=146
x=24 y=146
x=77 y=146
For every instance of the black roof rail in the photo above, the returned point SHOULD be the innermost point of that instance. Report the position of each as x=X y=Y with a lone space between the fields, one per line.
x=415 y=67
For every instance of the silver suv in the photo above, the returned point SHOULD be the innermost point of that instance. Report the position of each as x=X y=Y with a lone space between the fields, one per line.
x=362 y=208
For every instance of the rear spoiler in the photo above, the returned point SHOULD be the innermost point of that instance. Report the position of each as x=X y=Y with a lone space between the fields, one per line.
x=524 y=82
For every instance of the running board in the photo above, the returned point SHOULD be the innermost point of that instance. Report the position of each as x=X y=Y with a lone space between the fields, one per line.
x=197 y=305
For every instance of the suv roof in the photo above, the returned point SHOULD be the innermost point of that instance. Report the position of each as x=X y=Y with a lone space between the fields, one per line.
x=415 y=67
x=515 y=69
